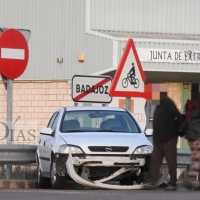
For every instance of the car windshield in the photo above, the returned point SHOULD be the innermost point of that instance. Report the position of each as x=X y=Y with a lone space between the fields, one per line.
x=98 y=121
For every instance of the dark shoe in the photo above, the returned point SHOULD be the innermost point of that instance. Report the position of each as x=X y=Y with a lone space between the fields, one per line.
x=149 y=186
x=170 y=188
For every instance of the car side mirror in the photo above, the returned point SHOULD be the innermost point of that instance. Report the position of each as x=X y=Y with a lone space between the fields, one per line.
x=148 y=132
x=46 y=131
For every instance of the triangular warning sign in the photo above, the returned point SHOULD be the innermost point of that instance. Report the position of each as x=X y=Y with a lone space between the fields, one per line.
x=129 y=78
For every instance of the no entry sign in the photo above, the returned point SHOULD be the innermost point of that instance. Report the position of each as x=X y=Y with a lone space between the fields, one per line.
x=13 y=53
x=91 y=89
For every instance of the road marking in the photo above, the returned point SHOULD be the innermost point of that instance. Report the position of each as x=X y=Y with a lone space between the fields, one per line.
x=8 y=53
x=80 y=96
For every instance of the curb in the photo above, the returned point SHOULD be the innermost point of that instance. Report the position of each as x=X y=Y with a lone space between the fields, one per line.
x=14 y=184
x=30 y=184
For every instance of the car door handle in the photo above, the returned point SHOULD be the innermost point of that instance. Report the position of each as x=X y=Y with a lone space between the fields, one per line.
x=44 y=143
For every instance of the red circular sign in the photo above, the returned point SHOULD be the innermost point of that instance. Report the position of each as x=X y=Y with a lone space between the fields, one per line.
x=13 y=53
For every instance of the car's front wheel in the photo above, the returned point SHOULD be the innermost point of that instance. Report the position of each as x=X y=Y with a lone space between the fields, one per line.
x=57 y=182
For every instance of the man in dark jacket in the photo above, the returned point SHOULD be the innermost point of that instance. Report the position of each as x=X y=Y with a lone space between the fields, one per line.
x=165 y=123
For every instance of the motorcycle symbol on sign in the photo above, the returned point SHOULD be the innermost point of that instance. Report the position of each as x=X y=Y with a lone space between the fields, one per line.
x=131 y=77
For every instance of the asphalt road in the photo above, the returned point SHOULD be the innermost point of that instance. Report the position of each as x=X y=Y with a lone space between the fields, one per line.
x=36 y=194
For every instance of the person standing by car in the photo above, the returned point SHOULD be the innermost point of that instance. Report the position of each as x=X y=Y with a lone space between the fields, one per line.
x=192 y=135
x=165 y=124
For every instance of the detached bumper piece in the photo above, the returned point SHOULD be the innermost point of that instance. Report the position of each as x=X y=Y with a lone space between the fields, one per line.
x=98 y=184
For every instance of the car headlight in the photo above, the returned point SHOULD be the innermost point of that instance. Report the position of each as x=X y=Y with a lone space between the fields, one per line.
x=143 y=150
x=69 y=149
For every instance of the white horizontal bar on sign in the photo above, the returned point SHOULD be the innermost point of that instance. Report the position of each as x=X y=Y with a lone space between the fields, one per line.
x=8 y=53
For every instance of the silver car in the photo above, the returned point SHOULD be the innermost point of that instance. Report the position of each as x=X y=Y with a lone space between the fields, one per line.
x=93 y=146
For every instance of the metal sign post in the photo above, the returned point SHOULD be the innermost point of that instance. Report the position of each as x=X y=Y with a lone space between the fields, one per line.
x=9 y=122
x=128 y=103
x=14 y=55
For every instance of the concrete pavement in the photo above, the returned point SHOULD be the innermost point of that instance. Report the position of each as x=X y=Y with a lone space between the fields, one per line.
x=31 y=184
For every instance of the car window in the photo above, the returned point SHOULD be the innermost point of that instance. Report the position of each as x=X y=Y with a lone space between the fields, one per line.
x=99 y=121
x=55 y=122
x=51 y=121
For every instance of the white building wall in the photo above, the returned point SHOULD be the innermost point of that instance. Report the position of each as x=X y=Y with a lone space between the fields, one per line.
x=57 y=30
x=154 y=16
x=169 y=65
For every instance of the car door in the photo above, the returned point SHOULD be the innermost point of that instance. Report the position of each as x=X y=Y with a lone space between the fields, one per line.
x=46 y=142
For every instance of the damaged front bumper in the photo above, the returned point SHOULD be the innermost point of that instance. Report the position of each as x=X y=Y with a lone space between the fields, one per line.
x=98 y=184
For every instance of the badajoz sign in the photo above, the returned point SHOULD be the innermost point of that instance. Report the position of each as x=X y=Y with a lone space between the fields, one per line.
x=91 y=89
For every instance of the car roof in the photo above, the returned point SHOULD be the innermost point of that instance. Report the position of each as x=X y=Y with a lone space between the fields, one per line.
x=70 y=108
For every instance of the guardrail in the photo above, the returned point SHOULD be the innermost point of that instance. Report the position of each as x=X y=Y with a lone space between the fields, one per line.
x=17 y=154
x=183 y=157
x=25 y=154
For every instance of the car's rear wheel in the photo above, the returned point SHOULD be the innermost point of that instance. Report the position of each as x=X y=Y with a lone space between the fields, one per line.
x=57 y=182
x=42 y=182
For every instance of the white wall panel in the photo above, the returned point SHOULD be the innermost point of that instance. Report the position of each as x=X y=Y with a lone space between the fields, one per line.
x=57 y=30
x=155 y=16
x=166 y=66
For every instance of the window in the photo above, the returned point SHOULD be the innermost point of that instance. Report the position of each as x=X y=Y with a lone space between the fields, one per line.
x=99 y=121
x=51 y=121
x=55 y=122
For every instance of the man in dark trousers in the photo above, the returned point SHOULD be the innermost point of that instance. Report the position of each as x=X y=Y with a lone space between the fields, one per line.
x=165 y=122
